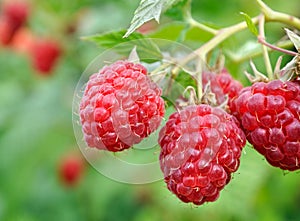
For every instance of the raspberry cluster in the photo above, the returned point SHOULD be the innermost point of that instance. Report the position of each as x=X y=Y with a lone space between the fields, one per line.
x=200 y=144
x=120 y=107
x=270 y=116
x=200 y=149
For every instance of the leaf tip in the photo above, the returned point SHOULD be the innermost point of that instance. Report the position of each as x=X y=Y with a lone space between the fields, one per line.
x=250 y=24
x=133 y=56
x=126 y=34
x=294 y=38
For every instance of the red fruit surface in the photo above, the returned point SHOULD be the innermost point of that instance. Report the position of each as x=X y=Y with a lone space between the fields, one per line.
x=120 y=107
x=71 y=169
x=16 y=12
x=13 y=17
x=6 y=32
x=270 y=116
x=222 y=85
x=200 y=149
x=45 y=54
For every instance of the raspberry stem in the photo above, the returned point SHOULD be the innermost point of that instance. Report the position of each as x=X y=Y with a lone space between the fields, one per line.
x=275 y=16
x=220 y=35
x=192 y=22
x=264 y=48
x=224 y=33
x=276 y=48
x=238 y=58
x=199 y=77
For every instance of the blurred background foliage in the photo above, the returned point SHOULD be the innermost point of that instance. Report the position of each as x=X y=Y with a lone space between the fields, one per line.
x=36 y=123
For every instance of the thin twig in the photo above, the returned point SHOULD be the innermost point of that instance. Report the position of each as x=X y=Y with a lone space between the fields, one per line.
x=261 y=26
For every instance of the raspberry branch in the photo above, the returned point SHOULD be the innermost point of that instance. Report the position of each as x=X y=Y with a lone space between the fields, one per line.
x=275 y=16
x=276 y=48
x=264 y=48
x=192 y=22
x=224 y=33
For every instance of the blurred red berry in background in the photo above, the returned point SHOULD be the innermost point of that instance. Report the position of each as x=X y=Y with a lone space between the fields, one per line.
x=6 y=32
x=45 y=54
x=16 y=12
x=14 y=15
x=71 y=169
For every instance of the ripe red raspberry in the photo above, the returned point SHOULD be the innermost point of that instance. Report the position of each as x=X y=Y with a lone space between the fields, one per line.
x=16 y=12
x=270 y=116
x=222 y=84
x=120 y=107
x=45 y=54
x=14 y=15
x=71 y=169
x=6 y=32
x=200 y=148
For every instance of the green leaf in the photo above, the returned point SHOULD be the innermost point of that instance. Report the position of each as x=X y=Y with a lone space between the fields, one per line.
x=186 y=80
x=250 y=23
x=169 y=3
x=175 y=12
x=148 y=10
x=145 y=47
x=169 y=31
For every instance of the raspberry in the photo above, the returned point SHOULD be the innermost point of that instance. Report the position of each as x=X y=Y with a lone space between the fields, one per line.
x=120 y=107
x=200 y=149
x=269 y=114
x=14 y=15
x=45 y=54
x=71 y=169
x=6 y=32
x=222 y=84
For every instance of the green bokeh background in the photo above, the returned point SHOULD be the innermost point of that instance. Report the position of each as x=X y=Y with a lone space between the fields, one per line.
x=36 y=126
